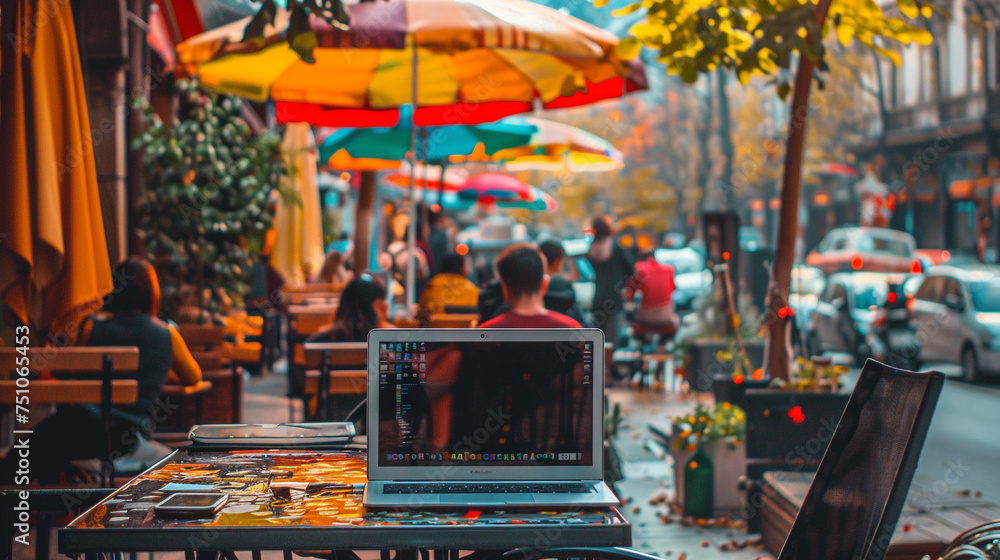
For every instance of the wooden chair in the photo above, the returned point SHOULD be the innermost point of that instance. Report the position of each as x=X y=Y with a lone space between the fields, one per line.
x=452 y=320
x=855 y=500
x=303 y=322
x=206 y=345
x=343 y=370
x=105 y=361
x=300 y=294
x=175 y=392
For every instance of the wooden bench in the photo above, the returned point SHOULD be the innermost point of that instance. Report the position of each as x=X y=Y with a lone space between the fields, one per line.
x=924 y=528
x=343 y=370
x=106 y=361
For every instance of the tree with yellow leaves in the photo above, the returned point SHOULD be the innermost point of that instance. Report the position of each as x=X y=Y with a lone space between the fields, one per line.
x=762 y=37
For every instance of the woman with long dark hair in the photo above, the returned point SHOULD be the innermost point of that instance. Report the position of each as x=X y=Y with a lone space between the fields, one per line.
x=362 y=308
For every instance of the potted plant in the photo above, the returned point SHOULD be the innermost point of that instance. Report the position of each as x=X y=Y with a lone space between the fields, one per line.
x=719 y=340
x=721 y=431
x=207 y=206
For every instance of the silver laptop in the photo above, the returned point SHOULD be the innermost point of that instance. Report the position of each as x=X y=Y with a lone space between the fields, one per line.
x=486 y=418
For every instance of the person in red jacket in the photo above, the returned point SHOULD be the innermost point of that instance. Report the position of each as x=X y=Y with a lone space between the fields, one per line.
x=522 y=274
x=655 y=281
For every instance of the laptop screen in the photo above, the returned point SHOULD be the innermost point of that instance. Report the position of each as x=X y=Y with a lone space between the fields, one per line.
x=486 y=402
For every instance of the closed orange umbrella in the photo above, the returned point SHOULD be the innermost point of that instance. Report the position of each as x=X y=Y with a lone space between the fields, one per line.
x=54 y=265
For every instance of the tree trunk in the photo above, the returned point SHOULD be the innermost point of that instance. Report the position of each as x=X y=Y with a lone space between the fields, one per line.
x=704 y=161
x=726 y=141
x=778 y=351
x=363 y=213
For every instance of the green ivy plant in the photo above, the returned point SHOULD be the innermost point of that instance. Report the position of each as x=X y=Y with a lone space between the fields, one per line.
x=207 y=204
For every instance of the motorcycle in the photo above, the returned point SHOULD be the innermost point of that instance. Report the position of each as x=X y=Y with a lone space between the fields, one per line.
x=892 y=337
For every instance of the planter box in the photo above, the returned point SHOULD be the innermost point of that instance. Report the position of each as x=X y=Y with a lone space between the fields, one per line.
x=728 y=464
x=725 y=390
x=701 y=362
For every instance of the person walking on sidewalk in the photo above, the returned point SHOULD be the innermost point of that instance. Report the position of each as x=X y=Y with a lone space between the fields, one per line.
x=612 y=269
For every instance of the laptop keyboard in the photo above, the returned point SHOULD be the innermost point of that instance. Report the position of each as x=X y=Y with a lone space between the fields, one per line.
x=489 y=488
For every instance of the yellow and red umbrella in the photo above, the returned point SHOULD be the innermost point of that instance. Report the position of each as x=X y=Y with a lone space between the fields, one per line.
x=477 y=62
x=54 y=265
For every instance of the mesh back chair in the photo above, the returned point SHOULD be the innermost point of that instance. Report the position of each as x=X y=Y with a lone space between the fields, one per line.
x=855 y=500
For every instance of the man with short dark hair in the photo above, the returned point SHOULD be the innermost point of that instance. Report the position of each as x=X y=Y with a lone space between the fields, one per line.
x=522 y=274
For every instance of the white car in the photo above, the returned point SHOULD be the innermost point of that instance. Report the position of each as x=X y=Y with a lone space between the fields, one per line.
x=957 y=309
x=691 y=279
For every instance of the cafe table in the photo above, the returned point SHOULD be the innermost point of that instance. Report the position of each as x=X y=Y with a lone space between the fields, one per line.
x=301 y=500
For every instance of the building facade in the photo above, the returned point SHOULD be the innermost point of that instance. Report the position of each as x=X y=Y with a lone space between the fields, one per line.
x=938 y=143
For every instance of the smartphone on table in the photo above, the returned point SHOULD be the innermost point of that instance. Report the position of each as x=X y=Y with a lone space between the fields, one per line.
x=191 y=504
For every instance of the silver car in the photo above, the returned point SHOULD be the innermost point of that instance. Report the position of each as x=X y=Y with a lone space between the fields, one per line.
x=958 y=311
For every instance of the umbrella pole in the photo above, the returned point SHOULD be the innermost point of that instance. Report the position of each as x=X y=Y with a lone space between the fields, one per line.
x=411 y=270
x=440 y=196
x=363 y=213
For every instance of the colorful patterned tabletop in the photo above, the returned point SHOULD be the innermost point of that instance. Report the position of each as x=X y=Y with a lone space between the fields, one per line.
x=297 y=489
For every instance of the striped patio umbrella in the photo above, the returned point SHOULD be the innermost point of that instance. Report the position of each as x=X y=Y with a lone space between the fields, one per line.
x=434 y=144
x=428 y=179
x=477 y=62
x=531 y=198
x=492 y=187
x=557 y=146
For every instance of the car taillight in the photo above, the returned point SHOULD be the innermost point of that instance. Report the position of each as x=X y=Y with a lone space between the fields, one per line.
x=916 y=267
x=857 y=262
x=880 y=318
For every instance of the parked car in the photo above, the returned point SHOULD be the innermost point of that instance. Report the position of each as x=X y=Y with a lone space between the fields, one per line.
x=691 y=279
x=845 y=310
x=750 y=238
x=957 y=310
x=580 y=269
x=865 y=248
x=807 y=285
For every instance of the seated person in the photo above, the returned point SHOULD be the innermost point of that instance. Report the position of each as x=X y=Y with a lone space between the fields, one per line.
x=362 y=308
x=450 y=287
x=398 y=257
x=265 y=280
x=522 y=276
x=655 y=281
x=76 y=431
x=333 y=272
x=490 y=302
x=559 y=296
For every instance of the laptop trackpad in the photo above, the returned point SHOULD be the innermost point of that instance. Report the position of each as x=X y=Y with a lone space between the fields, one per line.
x=481 y=500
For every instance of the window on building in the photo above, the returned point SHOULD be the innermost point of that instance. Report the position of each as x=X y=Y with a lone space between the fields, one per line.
x=975 y=74
x=926 y=75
